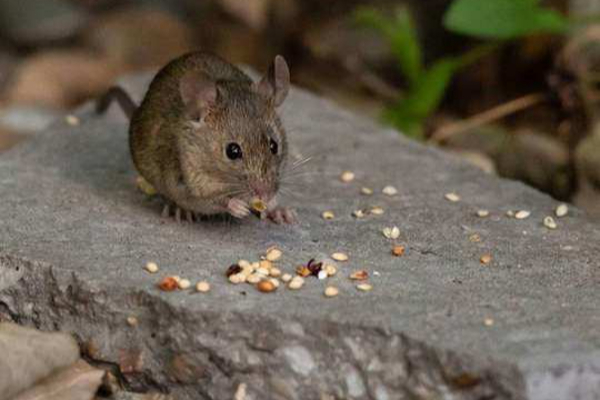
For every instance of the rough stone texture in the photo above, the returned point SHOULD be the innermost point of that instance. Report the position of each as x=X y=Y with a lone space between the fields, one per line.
x=75 y=234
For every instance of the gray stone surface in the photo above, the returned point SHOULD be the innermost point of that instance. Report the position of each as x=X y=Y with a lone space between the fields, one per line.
x=75 y=234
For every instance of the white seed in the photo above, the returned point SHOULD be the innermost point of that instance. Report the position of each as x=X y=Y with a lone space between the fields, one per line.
x=132 y=321
x=244 y=263
x=488 y=322
x=275 y=282
x=550 y=223
x=510 y=213
x=377 y=211
x=151 y=267
x=255 y=265
x=266 y=264
x=483 y=213
x=358 y=213
x=184 y=284
x=365 y=287
x=561 y=210
x=145 y=186
x=177 y=278
x=522 y=214
x=275 y=272
x=331 y=291
x=262 y=271
x=247 y=270
x=72 y=120
x=286 y=277
x=390 y=191
x=366 y=191
x=391 y=232
x=322 y=274
x=339 y=256
x=330 y=269
x=254 y=278
x=296 y=283
x=202 y=286
x=453 y=197
x=347 y=176
x=237 y=278
x=328 y=215
x=274 y=254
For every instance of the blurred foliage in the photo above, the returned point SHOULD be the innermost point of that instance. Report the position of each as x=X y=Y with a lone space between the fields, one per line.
x=493 y=20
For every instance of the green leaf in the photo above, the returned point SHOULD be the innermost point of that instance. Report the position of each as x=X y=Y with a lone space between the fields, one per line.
x=400 y=32
x=502 y=19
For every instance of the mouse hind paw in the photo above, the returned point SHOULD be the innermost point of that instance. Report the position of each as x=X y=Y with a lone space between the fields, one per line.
x=177 y=213
x=283 y=215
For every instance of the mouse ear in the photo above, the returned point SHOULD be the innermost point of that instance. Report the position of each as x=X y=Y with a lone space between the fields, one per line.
x=276 y=83
x=198 y=93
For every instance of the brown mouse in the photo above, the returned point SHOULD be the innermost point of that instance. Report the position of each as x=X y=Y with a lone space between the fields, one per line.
x=208 y=138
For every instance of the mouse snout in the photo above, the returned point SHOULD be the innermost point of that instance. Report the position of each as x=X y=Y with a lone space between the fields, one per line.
x=262 y=190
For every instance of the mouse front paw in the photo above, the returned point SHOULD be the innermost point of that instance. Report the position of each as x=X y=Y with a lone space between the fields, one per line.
x=238 y=208
x=282 y=215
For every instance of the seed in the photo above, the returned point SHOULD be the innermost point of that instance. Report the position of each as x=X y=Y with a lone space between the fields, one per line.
x=339 y=256
x=486 y=259
x=237 y=278
x=168 y=284
x=475 y=238
x=262 y=271
x=232 y=270
x=266 y=264
x=255 y=265
x=266 y=286
x=483 y=213
x=522 y=214
x=247 y=270
x=132 y=321
x=561 y=210
x=377 y=211
x=244 y=263
x=366 y=191
x=347 y=176
x=390 y=191
x=488 y=322
x=72 y=120
x=184 y=284
x=177 y=278
x=391 y=233
x=273 y=254
x=258 y=205
x=286 y=277
x=145 y=186
x=453 y=197
x=365 y=287
x=358 y=213
x=331 y=291
x=322 y=274
x=330 y=269
x=359 y=275
x=151 y=267
x=275 y=282
x=275 y=272
x=550 y=223
x=510 y=213
x=398 y=250
x=254 y=278
x=328 y=215
x=202 y=286
x=296 y=283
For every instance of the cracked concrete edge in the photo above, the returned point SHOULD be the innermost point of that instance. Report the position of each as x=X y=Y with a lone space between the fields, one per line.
x=211 y=355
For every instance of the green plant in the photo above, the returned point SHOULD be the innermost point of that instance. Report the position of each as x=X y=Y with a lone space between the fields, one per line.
x=491 y=20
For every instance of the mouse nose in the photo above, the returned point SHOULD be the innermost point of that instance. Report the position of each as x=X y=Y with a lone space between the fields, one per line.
x=262 y=190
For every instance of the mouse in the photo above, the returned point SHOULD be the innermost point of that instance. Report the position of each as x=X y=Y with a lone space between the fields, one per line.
x=209 y=139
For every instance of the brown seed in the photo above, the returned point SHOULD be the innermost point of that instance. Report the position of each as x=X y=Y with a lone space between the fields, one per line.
x=233 y=269
x=398 y=250
x=303 y=271
x=486 y=259
x=331 y=291
x=266 y=286
x=359 y=275
x=168 y=284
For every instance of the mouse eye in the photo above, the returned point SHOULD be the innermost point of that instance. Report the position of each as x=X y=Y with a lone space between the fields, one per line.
x=273 y=146
x=233 y=151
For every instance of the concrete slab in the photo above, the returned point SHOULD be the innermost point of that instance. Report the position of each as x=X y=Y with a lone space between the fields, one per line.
x=75 y=234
